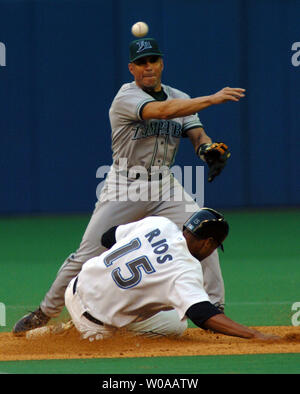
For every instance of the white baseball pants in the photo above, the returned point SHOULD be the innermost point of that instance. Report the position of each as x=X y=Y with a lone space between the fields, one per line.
x=164 y=323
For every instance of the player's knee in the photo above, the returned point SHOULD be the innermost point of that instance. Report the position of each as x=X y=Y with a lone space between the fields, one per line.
x=178 y=327
x=170 y=324
x=164 y=323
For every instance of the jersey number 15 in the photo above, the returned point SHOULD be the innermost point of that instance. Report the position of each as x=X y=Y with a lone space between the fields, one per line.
x=134 y=266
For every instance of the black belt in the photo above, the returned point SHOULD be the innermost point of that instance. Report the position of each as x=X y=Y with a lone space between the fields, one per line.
x=86 y=314
x=150 y=177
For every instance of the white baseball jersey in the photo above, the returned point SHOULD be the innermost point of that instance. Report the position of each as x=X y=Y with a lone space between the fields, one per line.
x=146 y=143
x=149 y=269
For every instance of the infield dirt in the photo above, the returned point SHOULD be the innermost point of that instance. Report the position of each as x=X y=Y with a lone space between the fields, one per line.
x=194 y=342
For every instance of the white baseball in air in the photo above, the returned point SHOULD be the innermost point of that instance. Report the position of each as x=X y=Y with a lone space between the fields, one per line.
x=139 y=29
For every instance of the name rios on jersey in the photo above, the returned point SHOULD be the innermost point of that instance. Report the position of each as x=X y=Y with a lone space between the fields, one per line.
x=159 y=247
x=157 y=127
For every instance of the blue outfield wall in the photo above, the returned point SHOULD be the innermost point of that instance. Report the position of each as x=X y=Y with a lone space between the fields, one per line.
x=65 y=61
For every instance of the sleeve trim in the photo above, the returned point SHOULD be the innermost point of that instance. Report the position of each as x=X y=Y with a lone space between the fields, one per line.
x=192 y=125
x=140 y=107
x=202 y=311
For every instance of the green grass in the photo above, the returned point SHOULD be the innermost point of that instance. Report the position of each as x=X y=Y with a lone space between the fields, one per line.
x=237 y=364
x=261 y=266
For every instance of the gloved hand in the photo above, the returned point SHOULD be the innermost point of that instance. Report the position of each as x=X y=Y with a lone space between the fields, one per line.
x=215 y=155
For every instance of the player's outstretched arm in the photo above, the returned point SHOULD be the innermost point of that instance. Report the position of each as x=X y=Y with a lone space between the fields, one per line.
x=224 y=325
x=175 y=108
x=207 y=316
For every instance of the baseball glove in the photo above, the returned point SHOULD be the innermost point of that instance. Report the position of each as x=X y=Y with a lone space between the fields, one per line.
x=215 y=155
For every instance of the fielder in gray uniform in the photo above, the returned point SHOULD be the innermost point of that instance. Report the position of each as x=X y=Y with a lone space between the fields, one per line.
x=148 y=119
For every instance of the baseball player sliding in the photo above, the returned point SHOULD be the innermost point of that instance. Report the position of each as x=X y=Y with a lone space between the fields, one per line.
x=148 y=120
x=153 y=275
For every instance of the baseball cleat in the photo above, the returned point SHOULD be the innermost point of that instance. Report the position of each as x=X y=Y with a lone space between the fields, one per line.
x=30 y=321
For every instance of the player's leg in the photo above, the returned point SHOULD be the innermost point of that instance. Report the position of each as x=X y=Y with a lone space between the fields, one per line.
x=53 y=302
x=114 y=207
x=87 y=328
x=164 y=323
x=106 y=214
x=178 y=209
x=213 y=280
x=90 y=246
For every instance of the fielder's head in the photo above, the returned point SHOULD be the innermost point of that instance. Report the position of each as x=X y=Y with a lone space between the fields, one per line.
x=205 y=231
x=143 y=47
x=145 y=63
